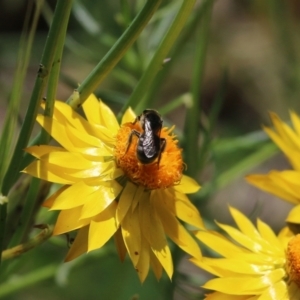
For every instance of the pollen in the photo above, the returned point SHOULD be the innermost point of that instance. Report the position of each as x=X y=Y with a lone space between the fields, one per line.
x=293 y=259
x=152 y=176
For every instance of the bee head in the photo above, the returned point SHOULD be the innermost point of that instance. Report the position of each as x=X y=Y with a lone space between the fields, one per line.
x=152 y=118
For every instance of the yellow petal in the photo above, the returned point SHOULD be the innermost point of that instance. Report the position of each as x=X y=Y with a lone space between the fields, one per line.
x=105 y=135
x=108 y=119
x=84 y=139
x=284 y=236
x=218 y=243
x=69 y=220
x=129 y=116
x=224 y=267
x=187 y=185
x=294 y=215
x=68 y=160
x=48 y=172
x=266 y=183
x=243 y=223
x=180 y=205
x=222 y=296
x=80 y=244
x=125 y=200
x=57 y=131
x=132 y=235
x=49 y=202
x=66 y=116
x=203 y=264
x=268 y=234
x=39 y=151
x=102 y=227
x=99 y=200
x=73 y=196
x=242 y=239
x=288 y=181
x=296 y=122
x=139 y=193
x=153 y=230
x=143 y=264
x=91 y=109
x=96 y=153
x=174 y=229
x=277 y=291
x=288 y=136
x=245 y=285
x=156 y=266
x=98 y=169
x=119 y=242
x=290 y=152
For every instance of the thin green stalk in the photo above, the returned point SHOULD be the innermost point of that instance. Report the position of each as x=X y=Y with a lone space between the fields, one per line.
x=207 y=133
x=246 y=164
x=160 y=55
x=239 y=169
x=27 y=212
x=11 y=117
x=183 y=99
x=53 y=82
x=114 y=55
x=62 y=12
x=18 y=250
x=194 y=111
x=151 y=96
x=7 y=288
x=61 y=16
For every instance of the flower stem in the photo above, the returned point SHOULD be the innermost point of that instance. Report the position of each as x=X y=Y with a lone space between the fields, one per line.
x=151 y=96
x=11 y=116
x=61 y=16
x=114 y=55
x=32 y=243
x=194 y=111
x=160 y=55
x=27 y=212
x=32 y=278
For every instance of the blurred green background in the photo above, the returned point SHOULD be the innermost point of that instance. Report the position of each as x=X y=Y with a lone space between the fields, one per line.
x=254 y=43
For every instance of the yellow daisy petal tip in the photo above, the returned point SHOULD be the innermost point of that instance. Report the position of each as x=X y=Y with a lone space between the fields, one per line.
x=128 y=116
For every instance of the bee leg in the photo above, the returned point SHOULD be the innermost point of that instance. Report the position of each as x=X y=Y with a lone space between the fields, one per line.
x=163 y=144
x=133 y=132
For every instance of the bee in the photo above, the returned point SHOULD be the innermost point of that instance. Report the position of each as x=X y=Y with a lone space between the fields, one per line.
x=150 y=145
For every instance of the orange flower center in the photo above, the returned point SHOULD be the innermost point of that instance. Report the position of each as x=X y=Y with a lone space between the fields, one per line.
x=293 y=259
x=155 y=175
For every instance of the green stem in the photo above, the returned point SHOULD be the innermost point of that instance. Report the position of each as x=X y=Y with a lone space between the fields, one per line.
x=27 y=212
x=53 y=83
x=114 y=55
x=151 y=96
x=239 y=169
x=44 y=235
x=160 y=55
x=207 y=133
x=32 y=278
x=11 y=117
x=194 y=111
x=61 y=16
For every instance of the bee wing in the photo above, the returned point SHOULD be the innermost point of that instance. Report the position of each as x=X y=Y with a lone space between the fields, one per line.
x=150 y=147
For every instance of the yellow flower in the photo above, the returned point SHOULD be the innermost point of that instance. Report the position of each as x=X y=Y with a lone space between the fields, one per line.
x=283 y=184
x=255 y=264
x=107 y=192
